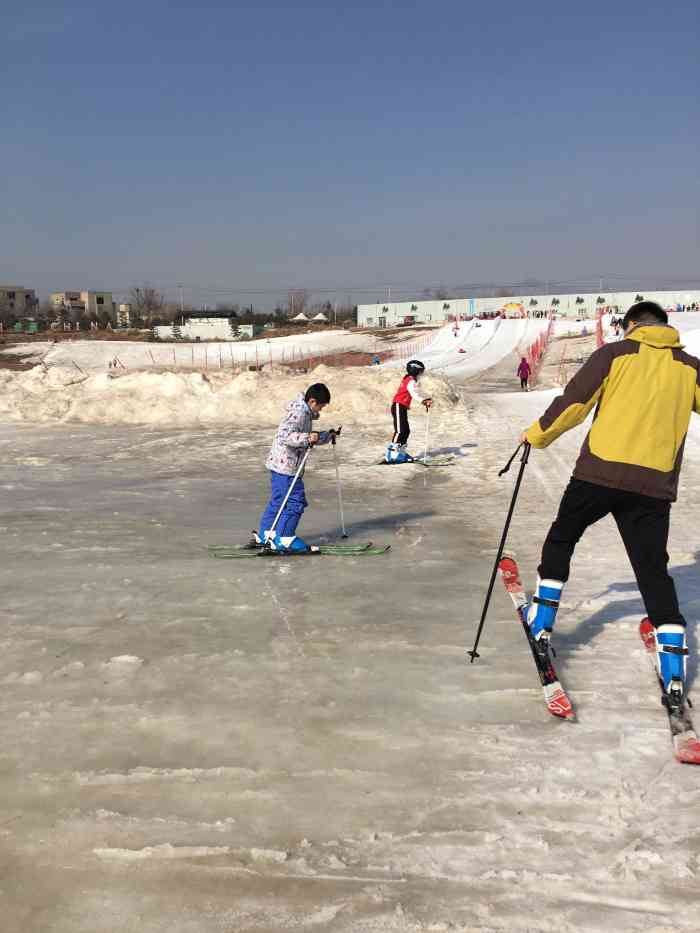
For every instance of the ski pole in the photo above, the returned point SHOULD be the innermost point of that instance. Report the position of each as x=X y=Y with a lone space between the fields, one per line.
x=289 y=491
x=427 y=434
x=523 y=462
x=340 y=491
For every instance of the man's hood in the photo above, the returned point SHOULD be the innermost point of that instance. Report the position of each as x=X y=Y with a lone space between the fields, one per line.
x=660 y=336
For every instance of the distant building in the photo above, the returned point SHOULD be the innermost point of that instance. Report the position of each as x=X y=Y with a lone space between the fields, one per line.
x=583 y=305
x=124 y=315
x=20 y=301
x=249 y=330
x=198 y=328
x=88 y=302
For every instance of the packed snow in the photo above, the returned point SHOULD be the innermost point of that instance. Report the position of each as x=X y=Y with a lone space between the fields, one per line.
x=97 y=355
x=194 y=745
x=191 y=399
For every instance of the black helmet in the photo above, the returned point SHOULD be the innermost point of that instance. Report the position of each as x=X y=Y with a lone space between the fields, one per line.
x=415 y=368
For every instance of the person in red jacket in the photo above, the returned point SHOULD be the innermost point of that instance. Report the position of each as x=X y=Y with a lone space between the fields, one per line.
x=524 y=374
x=405 y=394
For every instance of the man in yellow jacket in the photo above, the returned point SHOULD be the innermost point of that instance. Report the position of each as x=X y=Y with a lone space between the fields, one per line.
x=645 y=388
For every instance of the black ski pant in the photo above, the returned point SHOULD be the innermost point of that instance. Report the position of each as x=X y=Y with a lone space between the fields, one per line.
x=523 y=382
x=643 y=523
x=401 y=427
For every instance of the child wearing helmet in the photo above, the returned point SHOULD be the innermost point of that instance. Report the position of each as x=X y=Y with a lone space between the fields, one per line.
x=405 y=394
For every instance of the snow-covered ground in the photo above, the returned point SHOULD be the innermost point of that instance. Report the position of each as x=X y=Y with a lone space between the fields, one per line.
x=201 y=746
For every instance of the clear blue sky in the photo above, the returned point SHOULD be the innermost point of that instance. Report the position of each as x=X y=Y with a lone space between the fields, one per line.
x=270 y=144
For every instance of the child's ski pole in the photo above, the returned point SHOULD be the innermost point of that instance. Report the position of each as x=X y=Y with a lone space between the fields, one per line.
x=337 y=483
x=473 y=654
x=427 y=434
x=289 y=491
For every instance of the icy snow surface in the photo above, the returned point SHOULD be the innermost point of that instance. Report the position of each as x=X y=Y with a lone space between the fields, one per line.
x=201 y=746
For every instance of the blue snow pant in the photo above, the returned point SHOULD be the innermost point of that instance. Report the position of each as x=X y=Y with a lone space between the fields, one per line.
x=293 y=510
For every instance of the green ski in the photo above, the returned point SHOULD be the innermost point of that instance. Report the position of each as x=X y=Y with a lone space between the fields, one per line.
x=354 y=548
x=315 y=550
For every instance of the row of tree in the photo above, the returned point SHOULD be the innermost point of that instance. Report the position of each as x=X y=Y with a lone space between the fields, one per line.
x=148 y=307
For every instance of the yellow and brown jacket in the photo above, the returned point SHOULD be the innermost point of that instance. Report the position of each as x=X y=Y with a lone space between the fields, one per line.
x=645 y=388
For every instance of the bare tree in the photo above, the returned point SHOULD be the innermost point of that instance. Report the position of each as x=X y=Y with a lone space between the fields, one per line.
x=47 y=312
x=441 y=293
x=7 y=315
x=146 y=303
x=297 y=301
x=228 y=307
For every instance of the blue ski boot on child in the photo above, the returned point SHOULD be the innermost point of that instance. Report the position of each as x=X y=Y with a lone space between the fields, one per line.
x=285 y=544
x=396 y=453
x=543 y=610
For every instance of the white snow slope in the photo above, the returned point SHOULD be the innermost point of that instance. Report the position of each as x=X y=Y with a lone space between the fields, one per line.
x=477 y=346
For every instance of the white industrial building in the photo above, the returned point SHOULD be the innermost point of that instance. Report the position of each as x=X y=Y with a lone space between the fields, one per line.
x=199 y=328
x=585 y=304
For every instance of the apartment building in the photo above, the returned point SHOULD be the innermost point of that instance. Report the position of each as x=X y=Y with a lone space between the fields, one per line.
x=88 y=302
x=20 y=301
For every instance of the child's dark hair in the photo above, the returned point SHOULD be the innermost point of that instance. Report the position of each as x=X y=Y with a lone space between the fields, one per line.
x=645 y=312
x=319 y=392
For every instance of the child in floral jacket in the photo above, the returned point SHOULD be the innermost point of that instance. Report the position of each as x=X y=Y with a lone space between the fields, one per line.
x=291 y=442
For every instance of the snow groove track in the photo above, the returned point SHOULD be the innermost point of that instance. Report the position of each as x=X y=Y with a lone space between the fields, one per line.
x=485 y=343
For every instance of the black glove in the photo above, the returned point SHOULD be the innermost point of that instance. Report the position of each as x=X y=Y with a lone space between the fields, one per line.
x=335 y=433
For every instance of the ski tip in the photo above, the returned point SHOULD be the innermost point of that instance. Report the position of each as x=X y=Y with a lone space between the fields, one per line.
x=687 y=750
x=559 y=705
x=569 y=715
x=647 y=633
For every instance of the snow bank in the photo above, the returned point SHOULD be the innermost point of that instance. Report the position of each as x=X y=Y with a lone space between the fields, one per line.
x=96 y=355
x=359 y=395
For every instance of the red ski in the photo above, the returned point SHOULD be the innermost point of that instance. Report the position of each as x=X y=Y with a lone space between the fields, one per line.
x=558 y=703
x=685 y=741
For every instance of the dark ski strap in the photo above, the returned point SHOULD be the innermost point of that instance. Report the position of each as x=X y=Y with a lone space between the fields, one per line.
x=515 y=454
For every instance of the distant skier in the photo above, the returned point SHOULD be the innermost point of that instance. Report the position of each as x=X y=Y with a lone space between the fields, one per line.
x=645 y=388
x=524 y=374
x=293 y=438
x=405 y=394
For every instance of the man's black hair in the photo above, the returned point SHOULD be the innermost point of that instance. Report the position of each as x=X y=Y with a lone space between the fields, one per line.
x=645 y=312
x=318 y=391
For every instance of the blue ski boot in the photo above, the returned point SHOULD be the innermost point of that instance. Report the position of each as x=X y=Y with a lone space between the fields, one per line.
x=543 y=610
x=288 y=544
x=671 y=653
